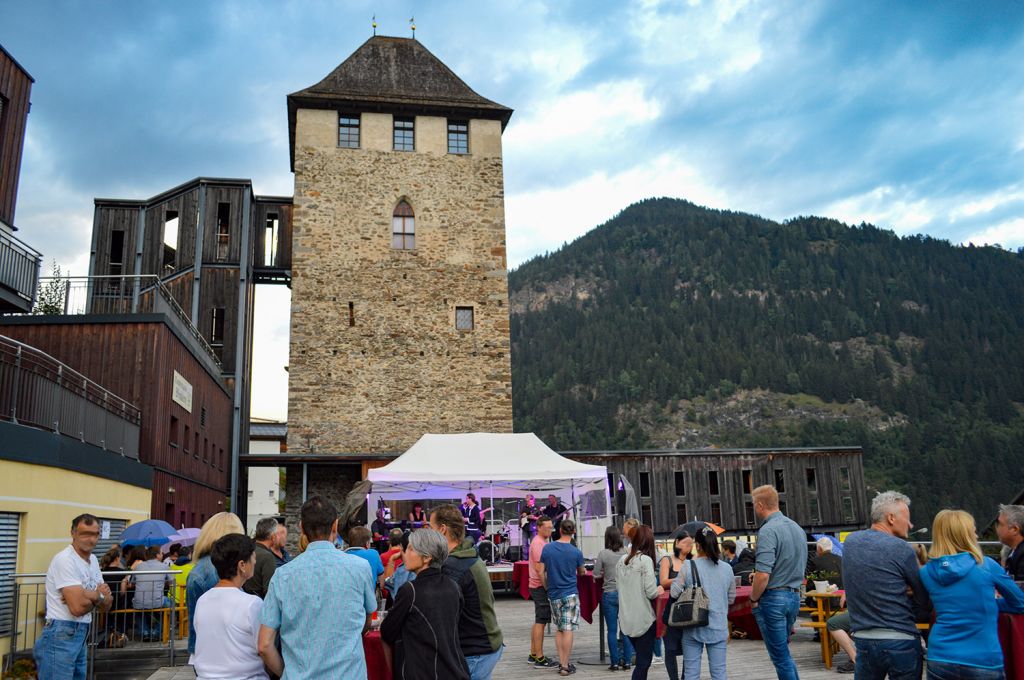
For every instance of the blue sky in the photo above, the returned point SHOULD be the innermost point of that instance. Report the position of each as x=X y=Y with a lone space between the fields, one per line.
x=909 y=115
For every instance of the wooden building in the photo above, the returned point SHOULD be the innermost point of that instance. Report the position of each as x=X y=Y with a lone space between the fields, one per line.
x=822 y=489
x=19 y=263
x=207 y=242
x=185 y=406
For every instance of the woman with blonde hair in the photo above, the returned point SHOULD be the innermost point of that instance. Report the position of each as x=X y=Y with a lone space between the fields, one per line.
x=962 y=584
x=204 y=576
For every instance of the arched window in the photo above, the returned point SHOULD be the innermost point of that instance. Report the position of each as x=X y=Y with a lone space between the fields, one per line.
x=403 y=227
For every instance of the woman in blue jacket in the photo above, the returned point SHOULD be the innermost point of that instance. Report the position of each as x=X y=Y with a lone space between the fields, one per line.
x=964 y=643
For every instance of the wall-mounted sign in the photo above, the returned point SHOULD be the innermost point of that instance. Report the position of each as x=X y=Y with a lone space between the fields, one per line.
x=182 y=394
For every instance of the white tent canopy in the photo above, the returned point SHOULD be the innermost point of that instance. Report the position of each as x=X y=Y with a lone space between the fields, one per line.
x=449 y=465
x=494 y=465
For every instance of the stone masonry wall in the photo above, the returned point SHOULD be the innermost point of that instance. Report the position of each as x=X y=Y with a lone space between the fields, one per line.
x=402 y=369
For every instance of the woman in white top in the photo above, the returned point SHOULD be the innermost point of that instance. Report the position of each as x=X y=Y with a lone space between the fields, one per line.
x=227 y=620
x=638 y=586
x=719 y=584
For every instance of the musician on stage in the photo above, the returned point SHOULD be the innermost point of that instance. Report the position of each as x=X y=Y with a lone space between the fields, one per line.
x=556 y=511
x=417 y=514
x=472 y=515
x=528 y=519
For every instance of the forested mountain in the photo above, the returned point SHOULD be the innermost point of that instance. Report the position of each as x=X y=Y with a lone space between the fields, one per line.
x=674 y=325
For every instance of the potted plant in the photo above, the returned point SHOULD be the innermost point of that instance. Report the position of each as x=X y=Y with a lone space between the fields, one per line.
x=822 y=579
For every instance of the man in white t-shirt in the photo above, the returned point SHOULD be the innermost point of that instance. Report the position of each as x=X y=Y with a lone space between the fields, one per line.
x=74 y=589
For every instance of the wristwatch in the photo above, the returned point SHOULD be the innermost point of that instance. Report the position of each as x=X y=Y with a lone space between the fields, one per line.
x=100 y=598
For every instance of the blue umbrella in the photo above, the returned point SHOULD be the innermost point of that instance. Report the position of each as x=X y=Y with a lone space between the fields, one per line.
x=147 y=532
x=837 y=547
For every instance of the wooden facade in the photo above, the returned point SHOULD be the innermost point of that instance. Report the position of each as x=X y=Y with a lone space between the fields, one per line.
x=822 y=489
x=15 y=91
x=136 y=357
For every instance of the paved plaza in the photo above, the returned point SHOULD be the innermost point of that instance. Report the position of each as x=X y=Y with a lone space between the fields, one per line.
x=747 y=658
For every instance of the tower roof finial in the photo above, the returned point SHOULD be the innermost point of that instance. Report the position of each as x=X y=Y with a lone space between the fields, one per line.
x=373 y=22
x=412 y=25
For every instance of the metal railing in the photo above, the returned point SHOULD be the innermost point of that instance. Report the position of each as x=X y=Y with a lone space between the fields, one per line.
x=122 y=294
x=40 y=391
x=19 y=266
x=121 y=626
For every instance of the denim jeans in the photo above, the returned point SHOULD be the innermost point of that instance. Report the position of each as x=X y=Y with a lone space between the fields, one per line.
x=692 y=651
x=775 y=614
x=897 y=659
x=673 y=643
x=938 y=670
x=60 y=650
x=644 y=646
x=610 y=607
x=482 y=665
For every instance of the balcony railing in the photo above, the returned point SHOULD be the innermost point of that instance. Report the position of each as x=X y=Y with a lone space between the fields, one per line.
x=19 y=268
x=127 y=294
x=39 y=391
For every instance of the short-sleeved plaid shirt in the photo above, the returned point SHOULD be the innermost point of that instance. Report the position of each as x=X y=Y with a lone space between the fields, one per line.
x=319 y=602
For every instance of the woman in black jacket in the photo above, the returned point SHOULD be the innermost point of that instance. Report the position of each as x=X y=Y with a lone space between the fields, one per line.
x=422 y=627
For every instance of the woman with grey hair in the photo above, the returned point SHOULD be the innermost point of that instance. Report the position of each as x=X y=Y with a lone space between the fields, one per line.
x=421 y=629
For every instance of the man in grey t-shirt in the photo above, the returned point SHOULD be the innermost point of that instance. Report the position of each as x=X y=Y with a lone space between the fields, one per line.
x=778 y=575
x=883 y=590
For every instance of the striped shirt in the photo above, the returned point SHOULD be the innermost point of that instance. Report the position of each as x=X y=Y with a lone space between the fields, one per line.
x=319 y=602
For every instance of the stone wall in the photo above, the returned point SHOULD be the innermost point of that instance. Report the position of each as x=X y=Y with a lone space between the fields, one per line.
x=397 y=367
x=332 y=482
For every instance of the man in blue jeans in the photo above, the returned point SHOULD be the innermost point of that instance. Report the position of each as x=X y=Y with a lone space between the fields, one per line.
x=74 y=590
x=778 y=575
x=884 y=594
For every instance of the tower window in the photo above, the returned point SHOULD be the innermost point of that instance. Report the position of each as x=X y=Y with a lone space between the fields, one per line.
x=170 y=246
x=463 y=318
x=405 y=134
x=403 y=227
x=348 y=131
x=458 y=136
x=217 y=328
x=270 y=240
x=223 y=231
x=116 y=252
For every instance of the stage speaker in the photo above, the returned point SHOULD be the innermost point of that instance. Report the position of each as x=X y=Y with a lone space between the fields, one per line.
x=515 y=553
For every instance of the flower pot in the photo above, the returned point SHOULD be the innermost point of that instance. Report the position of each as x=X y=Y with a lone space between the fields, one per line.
x=821 y=586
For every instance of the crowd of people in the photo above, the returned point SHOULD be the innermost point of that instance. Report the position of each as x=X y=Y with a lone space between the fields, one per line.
x=254 y=611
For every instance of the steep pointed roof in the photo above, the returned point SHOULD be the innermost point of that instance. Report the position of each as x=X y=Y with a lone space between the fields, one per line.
x=396 y=75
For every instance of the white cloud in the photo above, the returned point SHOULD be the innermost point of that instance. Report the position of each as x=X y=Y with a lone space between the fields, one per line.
x=988 y=202
x=541 y=220
x=605 y=112
x=1009 y=234
x=884 y=207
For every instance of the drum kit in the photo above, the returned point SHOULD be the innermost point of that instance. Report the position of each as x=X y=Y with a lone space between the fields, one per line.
x=503 y=544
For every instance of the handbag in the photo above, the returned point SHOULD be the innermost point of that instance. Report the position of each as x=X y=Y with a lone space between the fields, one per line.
x=691 y=608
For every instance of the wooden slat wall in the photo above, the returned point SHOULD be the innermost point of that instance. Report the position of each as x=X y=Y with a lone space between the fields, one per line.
x=732 y=497
x=220 y=289
x=137 y=361
x=15 y=88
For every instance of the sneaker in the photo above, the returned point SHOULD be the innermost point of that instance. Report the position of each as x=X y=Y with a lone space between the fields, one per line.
x=847 y=667
x=658 y=661
x=613 y=667
x=624 y=666
x=532 y=659
x=545 y=662
x=566 y=670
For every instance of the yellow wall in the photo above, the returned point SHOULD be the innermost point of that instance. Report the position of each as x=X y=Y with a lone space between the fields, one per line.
x=48 y=498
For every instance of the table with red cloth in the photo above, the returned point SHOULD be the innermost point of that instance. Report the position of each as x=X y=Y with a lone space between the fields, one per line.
x=741 y=616
x=589 y=587
x=1011 y=639
x=373 y=649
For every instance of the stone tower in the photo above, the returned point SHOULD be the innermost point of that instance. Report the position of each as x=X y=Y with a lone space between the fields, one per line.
x=399 y=322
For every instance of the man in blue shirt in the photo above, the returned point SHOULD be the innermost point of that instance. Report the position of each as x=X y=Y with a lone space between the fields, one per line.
x=560 y=564
x=359 y=544
x=321 y=602
x=778 y=574
x=883 y=592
